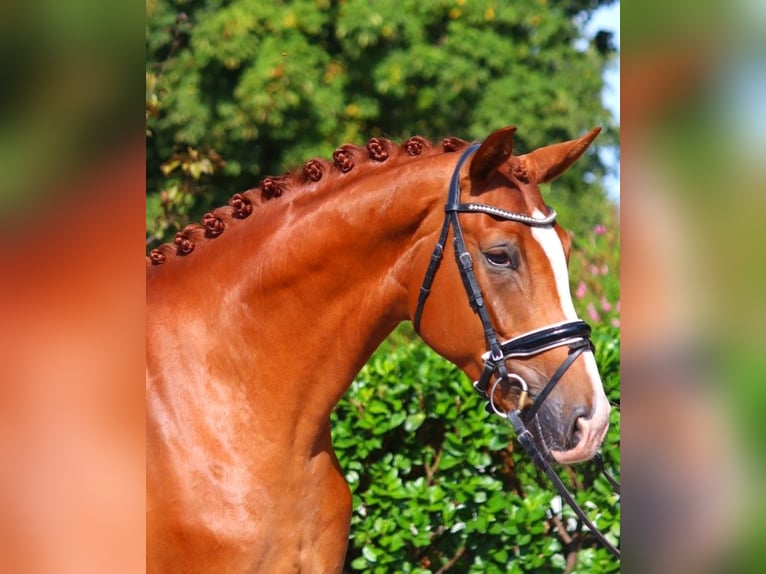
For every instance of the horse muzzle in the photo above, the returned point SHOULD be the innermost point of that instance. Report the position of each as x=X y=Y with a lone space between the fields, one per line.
x=586 y=430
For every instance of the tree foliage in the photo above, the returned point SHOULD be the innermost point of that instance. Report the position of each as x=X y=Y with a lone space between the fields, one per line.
x=266 y=85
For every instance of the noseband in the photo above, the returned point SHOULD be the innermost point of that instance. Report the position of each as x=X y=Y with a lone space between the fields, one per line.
x=572 y=334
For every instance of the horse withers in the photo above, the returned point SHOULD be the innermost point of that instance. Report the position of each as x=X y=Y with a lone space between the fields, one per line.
x=259 y=318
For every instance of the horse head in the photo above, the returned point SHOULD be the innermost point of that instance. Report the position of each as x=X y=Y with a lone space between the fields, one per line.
x=503 y=310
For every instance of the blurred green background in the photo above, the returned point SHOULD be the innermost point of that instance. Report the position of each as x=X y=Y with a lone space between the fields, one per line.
x=694 y=118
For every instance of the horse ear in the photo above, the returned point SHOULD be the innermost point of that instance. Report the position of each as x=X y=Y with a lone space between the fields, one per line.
x=494 y=151
x=547 y=163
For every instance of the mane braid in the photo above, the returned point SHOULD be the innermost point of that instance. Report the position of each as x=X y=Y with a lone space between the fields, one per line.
x=344 y=159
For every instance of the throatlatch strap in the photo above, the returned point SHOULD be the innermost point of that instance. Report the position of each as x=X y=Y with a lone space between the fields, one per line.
x=433 y=267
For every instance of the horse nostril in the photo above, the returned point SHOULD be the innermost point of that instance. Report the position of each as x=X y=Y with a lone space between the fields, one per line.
x=574 y=428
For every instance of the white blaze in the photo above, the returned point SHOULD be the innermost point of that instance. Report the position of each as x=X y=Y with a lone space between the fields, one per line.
x=551 y=243
x=593 y=429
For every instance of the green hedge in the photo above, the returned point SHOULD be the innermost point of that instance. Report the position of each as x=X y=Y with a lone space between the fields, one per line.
x=438 y=484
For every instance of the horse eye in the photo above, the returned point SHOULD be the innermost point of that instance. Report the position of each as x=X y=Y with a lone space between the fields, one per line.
x=500 y=259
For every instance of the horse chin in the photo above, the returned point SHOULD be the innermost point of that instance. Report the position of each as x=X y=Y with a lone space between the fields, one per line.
x=573 y=455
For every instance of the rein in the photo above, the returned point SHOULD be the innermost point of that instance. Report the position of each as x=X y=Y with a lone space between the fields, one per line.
x=573 y=334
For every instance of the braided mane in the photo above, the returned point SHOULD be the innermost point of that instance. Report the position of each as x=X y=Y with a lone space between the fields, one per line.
x=344 y=159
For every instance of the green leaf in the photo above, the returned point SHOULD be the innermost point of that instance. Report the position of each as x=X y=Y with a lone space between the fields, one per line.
x=369 y=554
x=413 y=421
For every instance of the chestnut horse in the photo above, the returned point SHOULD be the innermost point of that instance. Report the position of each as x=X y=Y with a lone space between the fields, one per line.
x=259 y=318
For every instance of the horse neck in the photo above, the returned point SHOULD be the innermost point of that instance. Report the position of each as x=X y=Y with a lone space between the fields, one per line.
x=310 y=287
x=346 y=260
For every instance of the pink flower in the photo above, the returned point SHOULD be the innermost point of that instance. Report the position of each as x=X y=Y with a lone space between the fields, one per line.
x=615 y=322
x=592 y=313
x=599 y=230
x=605 y=304
x=581 y=290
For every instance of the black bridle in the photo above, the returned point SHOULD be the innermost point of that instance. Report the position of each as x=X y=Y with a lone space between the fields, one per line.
x=572 y=334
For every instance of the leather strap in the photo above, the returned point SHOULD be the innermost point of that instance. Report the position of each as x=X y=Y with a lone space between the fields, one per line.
x=527 y=441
